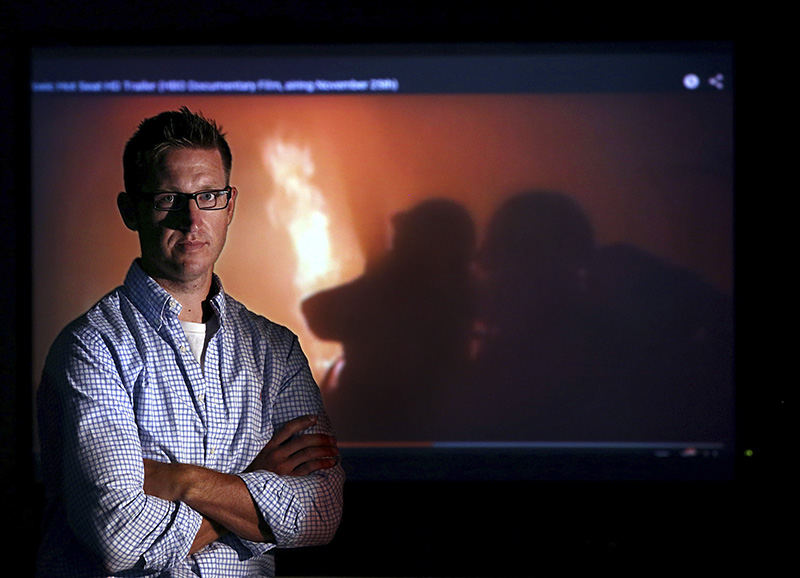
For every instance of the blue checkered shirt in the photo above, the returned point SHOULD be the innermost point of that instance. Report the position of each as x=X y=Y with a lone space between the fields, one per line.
x=121 y=384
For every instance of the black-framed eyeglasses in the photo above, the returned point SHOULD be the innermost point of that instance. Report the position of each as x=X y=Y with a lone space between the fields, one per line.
x=206 y=200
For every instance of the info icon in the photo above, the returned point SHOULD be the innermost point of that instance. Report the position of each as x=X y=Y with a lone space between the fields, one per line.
x=691 y=81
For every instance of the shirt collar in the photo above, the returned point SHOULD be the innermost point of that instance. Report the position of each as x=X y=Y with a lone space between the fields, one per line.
x=156 y=304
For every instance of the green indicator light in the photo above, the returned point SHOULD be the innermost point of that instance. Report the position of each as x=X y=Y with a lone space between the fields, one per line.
x=748 y=453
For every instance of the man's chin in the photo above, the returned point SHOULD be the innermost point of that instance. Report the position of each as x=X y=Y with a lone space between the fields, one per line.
x=183 y=272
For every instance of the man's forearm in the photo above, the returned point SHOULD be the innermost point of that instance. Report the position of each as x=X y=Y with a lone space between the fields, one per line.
x=209 y=532
x=222 y=498
x=225 y=499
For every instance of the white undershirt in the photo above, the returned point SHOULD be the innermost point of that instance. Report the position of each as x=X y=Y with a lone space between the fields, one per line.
x=196 y=336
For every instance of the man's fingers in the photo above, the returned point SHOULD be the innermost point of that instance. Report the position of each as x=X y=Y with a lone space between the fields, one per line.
x=312 y=466
x=292 y=428
x=303 y=453
x=291 y=452
x=304 y=441
x=311 y=459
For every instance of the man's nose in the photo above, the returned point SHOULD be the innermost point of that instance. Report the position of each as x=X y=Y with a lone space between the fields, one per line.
x=189 y=217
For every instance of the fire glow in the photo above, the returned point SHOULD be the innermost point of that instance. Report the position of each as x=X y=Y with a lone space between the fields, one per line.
x=299 y=207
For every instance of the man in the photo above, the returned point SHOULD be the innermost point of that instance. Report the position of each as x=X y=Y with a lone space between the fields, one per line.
x=181 y=434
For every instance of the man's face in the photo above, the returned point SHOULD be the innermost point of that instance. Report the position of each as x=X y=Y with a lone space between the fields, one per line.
x=181 y=247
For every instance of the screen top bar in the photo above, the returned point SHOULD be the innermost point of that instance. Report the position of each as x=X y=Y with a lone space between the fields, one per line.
x=368 y=70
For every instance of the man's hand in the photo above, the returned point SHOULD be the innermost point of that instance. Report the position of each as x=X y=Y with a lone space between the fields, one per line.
x=290 y=453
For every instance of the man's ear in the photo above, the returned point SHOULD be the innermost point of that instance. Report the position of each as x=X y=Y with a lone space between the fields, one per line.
x=127 y=208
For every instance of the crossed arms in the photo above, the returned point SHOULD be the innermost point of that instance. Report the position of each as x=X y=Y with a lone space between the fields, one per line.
x=223 y=499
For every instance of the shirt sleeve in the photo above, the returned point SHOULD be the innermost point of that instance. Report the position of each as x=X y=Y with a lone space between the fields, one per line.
x=101 y=462
x=300 y=510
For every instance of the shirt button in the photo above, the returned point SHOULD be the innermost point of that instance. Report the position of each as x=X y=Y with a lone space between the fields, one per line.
x=183 y=349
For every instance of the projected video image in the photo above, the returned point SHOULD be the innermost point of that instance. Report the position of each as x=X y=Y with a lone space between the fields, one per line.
x=457 y=267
